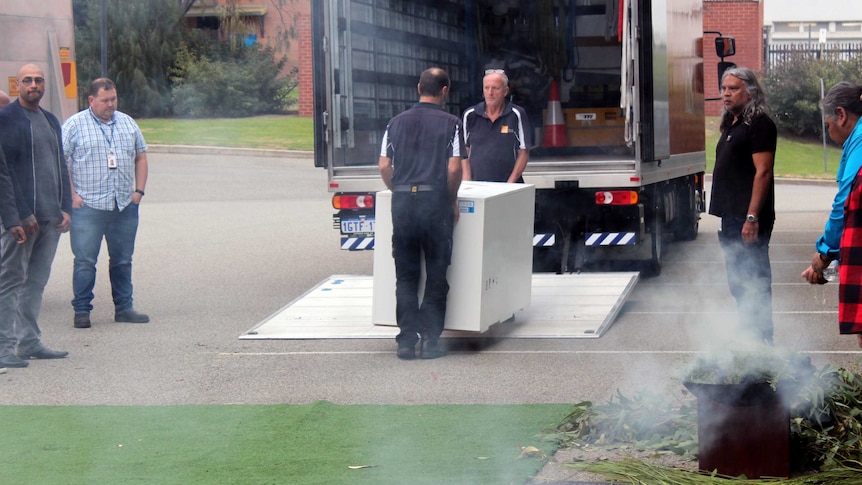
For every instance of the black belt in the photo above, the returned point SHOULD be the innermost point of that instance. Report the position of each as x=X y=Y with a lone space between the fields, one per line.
x=417 y=188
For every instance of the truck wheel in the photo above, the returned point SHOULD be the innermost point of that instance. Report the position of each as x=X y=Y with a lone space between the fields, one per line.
x=689 y=218
x=652 y=266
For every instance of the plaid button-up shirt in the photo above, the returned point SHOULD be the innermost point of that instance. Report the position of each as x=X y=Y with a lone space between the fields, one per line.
x=87 y=145
x=850 y=254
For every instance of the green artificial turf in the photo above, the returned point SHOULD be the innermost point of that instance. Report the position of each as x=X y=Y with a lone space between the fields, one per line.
x=274 y=444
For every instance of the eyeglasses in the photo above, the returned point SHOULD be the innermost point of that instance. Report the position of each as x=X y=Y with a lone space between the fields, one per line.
x=30 y=80
x=494 y=71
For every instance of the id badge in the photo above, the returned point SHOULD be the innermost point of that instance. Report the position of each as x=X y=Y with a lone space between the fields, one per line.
x=112 y=161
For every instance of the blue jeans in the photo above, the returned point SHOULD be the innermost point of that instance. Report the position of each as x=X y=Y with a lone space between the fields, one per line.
x=749 y=277
x=119 y=229
x=24 y=272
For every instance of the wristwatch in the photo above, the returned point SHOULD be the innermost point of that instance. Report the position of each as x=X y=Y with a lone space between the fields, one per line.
x=751 y=218
x=138 y=191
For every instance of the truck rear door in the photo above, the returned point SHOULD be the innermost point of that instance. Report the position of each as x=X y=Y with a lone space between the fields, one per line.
x=371 y=56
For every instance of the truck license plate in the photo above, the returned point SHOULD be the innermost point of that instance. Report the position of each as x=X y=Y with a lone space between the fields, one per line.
x=357 y=226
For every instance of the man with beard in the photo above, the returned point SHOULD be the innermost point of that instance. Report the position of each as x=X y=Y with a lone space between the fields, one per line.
x=31 y=143
x=743 y=196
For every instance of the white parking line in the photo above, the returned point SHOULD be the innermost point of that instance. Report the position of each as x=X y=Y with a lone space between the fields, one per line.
x=520 y=352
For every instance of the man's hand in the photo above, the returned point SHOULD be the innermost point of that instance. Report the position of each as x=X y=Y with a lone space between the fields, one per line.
x=813 y=276
x=136 y=198
x=30 y=225
x=65 y=224
x=77 y=201
x=814 y=273
x=19 y=234
x=749 y=232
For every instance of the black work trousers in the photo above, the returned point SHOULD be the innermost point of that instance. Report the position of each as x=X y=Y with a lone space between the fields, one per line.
x=749 y=276
x=422 y=223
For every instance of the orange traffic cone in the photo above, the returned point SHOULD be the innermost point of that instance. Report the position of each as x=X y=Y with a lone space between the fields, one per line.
x=555 y=125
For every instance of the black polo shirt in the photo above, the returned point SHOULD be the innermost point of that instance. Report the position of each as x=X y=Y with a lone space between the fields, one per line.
x=733 y=176
x=494 y=146
x=420 y=142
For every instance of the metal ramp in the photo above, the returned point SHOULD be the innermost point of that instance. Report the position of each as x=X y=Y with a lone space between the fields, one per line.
x=562 y=306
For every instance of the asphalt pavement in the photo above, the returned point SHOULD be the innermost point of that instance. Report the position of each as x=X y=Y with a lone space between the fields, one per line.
x=228 y=237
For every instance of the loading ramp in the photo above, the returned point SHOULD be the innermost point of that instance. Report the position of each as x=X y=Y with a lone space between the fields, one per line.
x=562 y=306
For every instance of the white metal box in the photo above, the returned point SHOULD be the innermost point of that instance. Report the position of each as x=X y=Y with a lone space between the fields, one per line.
x=490 y=276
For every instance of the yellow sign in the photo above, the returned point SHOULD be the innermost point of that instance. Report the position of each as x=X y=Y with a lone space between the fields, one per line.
x=13 y=86
x=65 y=53
x=70 y=79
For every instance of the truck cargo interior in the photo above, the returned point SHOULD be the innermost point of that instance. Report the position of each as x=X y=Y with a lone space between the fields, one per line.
x=627 y=76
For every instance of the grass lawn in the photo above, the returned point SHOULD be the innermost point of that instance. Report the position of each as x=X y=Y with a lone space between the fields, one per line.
x=799 y=159
x=280 y=444
x=277 y=132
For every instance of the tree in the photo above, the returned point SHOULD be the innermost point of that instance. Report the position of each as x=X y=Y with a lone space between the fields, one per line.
x=143 y=39
x=793 y=89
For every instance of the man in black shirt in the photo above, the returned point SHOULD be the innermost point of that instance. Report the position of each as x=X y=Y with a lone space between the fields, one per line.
x=420 y=161
x=32 y=145
x=743 y=196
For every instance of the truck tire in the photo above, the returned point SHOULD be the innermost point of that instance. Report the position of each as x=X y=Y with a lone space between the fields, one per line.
x=688 y=221
x=652 y=266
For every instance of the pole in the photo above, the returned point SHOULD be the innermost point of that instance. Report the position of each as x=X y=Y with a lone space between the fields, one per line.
x=103 y=37
x=823 y=124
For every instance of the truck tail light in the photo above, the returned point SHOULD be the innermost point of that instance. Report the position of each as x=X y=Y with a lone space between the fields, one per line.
x=617 y=197
x=353 y=201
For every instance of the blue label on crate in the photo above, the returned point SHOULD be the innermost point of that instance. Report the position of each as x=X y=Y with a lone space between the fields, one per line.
x=466 y=206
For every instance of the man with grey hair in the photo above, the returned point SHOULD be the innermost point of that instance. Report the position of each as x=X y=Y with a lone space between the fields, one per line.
x=743 y=196
x=496 y=134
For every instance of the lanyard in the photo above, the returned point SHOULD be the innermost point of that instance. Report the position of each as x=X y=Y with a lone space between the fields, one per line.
x=102 y=129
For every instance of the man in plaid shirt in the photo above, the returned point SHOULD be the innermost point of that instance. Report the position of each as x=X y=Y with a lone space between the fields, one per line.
x=107 y=159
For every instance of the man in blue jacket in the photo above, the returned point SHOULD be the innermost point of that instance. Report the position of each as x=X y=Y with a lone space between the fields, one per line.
x=31 y=142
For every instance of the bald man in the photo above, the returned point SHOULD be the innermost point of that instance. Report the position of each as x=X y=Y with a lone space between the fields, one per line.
x=32 y=145
x=4 y=99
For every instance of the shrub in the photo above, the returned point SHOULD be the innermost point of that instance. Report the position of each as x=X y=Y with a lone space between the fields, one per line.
x=793 y=90
x=241 y=82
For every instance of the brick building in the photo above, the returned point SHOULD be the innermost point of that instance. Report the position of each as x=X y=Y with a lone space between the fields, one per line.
x=269 y=22
x=741 y=19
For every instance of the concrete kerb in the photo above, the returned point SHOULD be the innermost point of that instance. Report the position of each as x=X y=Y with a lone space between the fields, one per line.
x=246 y=152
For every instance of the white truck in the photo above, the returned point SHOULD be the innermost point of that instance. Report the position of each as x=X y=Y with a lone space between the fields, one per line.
x=628 y=176
x=41 y=33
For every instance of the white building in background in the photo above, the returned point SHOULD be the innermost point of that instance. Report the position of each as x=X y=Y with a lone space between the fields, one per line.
x=807 y=21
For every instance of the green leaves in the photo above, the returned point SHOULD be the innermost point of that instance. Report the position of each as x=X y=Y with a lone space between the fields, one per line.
x=793 y=89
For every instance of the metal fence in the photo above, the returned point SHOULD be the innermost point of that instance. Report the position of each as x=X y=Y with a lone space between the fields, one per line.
x=777 y=54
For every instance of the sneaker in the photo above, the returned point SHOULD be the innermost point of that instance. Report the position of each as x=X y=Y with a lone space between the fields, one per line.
x=431 y=348
x=131 y=316
x=406 y=352
x=82 y=320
